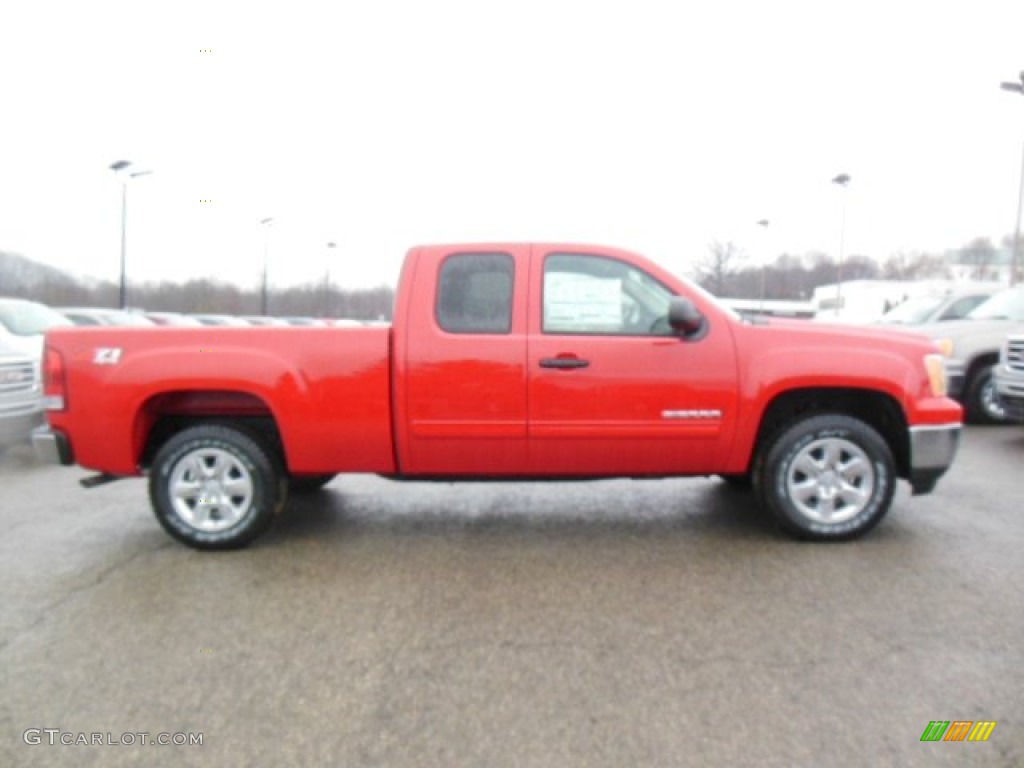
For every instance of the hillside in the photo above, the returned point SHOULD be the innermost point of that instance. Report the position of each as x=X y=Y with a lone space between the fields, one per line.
x=20 y=276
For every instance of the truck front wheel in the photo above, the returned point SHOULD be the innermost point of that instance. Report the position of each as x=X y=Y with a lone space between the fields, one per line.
x=982 y=401
x=827 y=477
x=215 y=487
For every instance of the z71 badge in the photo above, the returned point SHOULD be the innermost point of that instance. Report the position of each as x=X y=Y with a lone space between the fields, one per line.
x=107 y=356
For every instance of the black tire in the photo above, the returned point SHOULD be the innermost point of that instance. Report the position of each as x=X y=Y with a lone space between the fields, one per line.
x=982 y=401
x=299 y=484
x=827 y=477
x=244 y=485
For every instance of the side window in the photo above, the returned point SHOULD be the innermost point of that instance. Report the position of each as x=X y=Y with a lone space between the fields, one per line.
x=474 y=293
x=602 y=296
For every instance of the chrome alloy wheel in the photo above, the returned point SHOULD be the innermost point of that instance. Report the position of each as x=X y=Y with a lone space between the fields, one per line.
x=988 y=398
x=210 y=489
x=831 y=480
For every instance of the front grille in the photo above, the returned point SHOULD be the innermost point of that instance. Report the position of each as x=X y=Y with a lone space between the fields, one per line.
x=1015 y=354
x=17 y=377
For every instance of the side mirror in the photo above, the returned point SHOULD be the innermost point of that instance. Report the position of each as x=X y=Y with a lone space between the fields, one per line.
x=684 y=318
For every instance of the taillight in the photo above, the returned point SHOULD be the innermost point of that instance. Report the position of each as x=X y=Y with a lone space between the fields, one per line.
x=54 y=383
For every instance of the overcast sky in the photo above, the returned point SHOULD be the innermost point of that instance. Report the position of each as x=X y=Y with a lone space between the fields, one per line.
x=655 y=126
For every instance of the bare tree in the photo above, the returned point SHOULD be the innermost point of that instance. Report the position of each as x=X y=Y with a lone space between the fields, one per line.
x=787 y=278
x=915 y=265
x=821 y=269
x=1009 y=243
x=980 y=255
x=860 y=268
x=716 y=272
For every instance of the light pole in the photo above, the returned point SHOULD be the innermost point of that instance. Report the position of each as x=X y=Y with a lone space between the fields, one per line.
x=265 y=223
x=327 y=280
x=123 y=168
x=1015 y=256
x=843 y=180
x=763 y=223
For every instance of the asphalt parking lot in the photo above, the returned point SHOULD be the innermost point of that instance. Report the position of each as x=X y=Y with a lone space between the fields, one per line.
x=618 y=623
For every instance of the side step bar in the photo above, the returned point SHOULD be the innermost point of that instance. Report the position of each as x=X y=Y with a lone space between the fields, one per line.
x=94 y=480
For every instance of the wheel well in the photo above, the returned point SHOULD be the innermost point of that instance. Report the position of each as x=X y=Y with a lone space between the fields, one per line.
x=989 y=358
x=878 y=409
x=167 y=414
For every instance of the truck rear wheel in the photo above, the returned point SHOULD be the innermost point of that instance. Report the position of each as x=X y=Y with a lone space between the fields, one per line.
x=215 y=487
x=827 y=477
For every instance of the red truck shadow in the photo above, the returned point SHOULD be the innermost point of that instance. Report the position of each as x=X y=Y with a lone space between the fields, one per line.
x=635 y=508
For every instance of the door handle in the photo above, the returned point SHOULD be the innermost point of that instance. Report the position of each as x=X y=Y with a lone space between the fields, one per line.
x=564 y=363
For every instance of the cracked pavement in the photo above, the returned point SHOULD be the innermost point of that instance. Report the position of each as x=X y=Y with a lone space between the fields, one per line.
x=617 y=623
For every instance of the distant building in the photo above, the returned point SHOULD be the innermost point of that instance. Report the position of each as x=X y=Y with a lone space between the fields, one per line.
x=971 y=264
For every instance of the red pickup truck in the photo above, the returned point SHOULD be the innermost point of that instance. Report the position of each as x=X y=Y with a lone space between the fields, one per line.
x=527 y=361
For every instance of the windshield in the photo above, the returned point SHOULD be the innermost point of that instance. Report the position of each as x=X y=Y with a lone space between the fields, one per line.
x=1006 y=305
x=913 y=311
x=26 y=318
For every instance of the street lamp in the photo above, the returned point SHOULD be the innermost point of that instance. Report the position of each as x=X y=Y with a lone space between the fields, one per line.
x=265 y=223
x=1015 y=256
x=327 y=280
x=843 y=180
x=123 y=168
x=763 y=223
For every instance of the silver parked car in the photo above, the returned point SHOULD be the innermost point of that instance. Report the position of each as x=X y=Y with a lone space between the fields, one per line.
x=23 y=324
x=936 y=308
x=264 y=320
x=221 y=320
x=172 y=319
x=104 y=316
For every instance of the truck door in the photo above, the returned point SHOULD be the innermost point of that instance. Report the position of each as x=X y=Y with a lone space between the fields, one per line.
x=611 y=389
x=461 y=377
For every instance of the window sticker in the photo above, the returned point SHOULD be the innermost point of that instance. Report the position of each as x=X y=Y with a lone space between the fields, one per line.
x=582 y=302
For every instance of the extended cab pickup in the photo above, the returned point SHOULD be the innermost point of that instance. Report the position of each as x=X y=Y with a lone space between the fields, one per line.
x=509 y=361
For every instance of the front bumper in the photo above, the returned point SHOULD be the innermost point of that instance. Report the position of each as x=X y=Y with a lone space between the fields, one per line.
x=17 y=424
x=932 y=449
x=1010 y=389
x=52 y=447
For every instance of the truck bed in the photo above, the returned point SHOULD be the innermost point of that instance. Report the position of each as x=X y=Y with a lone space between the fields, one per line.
x=329 y=390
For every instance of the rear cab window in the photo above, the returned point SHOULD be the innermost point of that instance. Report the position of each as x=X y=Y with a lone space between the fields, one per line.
x=475 y=293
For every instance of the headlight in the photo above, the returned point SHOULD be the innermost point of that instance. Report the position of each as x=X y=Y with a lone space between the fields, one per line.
x=935 y=365
x=945 y=346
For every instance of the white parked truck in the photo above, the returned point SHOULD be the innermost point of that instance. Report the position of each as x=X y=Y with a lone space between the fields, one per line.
x=1009 y=377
